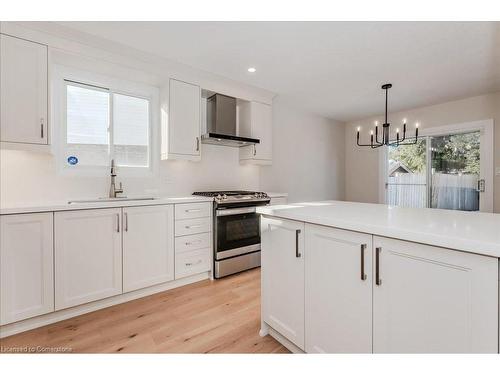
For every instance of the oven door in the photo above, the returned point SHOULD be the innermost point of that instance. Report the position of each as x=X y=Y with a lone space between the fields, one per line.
x=237 y=232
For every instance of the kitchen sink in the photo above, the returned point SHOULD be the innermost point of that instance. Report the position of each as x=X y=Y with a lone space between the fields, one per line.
x=118 y=199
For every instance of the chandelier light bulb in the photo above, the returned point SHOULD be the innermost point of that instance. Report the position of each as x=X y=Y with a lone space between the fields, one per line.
x=397 y=130
x=376 y=123
x=371 y=132
x=404 y=121
x=359 y=128
x=416 y=125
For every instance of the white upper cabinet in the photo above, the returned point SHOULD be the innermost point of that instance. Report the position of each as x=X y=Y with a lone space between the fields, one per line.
x=181 y=138
x=23 y=91
x=283 y=256
x=26 y=266
x=88 y=256
x=432 y=300
x=148 y=246
x=256 y=120
x=338 y=291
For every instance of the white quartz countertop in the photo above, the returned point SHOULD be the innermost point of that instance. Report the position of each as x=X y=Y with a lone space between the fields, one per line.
x=474 y=232
x=65 y=206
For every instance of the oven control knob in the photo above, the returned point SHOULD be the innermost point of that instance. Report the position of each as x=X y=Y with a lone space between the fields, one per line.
x=224 y=196
x=256 y=195
x=218 y=197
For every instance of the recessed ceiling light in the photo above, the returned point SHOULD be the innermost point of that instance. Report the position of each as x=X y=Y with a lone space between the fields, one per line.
x=252 y=70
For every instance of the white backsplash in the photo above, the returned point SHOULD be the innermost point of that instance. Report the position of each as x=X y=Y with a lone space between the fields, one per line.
x=32 y=178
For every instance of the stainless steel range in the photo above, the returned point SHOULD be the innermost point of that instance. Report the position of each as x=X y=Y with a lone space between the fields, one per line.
x=236 y=230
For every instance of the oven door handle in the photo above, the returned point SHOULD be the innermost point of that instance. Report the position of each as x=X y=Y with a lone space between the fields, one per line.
x=234 y=211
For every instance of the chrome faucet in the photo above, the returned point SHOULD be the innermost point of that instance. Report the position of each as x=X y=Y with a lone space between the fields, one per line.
x=113 y=191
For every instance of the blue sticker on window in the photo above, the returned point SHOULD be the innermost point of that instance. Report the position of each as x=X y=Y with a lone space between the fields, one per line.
x=72 y=160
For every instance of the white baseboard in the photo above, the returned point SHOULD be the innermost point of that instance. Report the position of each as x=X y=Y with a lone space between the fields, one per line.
x=56 y=316
x=281 y=339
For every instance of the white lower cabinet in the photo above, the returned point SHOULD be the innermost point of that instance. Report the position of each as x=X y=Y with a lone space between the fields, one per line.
x=433 y=300
x=88 y=256
x=26 y=266
x=57 y=260
x=338 y=291
x=191 y=262
x=283 y=256
x=148 y=246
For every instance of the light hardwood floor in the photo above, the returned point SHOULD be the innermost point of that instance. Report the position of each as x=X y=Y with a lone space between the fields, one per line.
x=221 y=316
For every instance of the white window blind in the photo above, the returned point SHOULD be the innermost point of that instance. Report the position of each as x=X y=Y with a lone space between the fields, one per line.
x=131 y=130
x=87 y=125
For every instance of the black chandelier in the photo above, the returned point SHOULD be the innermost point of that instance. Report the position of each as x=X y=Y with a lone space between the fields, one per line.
x=386 y=141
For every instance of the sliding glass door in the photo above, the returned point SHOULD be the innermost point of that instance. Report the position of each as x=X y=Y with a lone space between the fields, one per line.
x=406 y=184
x=455 y=172
x=438 y=172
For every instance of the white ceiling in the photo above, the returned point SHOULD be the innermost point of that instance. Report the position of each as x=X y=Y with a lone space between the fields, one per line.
x=334 y=69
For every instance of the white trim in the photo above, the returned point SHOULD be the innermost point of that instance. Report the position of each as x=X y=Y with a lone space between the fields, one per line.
x=119 y=86
x=382 y=160
x=57 y=316
x=486 y=128
x=283 y=340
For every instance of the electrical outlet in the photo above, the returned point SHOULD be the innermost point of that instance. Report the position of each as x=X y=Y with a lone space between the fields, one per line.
x=497 y=171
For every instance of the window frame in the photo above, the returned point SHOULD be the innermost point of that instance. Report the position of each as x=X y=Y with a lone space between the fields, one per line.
x=64 y=76
x=486 y=129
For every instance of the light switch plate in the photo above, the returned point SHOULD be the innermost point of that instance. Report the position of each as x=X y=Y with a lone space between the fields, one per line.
x=497 y=171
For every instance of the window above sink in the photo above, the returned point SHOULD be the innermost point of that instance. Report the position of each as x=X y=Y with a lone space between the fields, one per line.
x=100 y=118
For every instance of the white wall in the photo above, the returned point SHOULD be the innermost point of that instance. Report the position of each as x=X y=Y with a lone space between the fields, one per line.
x=308 y=155
x=362 y=164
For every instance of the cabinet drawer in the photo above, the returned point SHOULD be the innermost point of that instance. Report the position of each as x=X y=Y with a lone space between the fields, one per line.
x=192 y=226
x=192 y=242
x=192 y=210
x=192 y=262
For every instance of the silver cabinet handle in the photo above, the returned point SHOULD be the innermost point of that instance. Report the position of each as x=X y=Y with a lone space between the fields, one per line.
x=126 y=221
x=193 y=210
x=297 y=253
x=192 y=264
x=41 y=128
x=192 y=226
x=197 y=143
x=363 y=274
x=378 y=280
x=118 y=223
x=192 y=242
x=254 y=150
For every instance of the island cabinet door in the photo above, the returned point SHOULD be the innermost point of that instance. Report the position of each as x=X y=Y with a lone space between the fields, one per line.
x=433 y=300
x=338 y=290
x=148 y=246
x=283 y=257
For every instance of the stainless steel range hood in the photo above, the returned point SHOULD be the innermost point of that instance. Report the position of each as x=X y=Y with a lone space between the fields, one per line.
x=221 y=123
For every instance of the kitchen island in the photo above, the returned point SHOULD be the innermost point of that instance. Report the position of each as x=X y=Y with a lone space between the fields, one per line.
x=354 y=277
